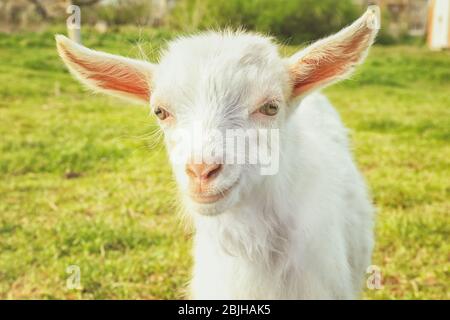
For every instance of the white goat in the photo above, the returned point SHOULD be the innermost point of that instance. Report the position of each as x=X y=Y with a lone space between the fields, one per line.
x=303 y=233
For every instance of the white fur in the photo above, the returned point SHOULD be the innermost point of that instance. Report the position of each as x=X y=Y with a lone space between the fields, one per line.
x=304 y=233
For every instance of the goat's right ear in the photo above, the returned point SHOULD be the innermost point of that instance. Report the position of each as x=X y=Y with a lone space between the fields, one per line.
x=107 y=73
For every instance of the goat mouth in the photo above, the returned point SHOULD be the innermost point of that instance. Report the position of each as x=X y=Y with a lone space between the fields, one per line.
x=208 y=199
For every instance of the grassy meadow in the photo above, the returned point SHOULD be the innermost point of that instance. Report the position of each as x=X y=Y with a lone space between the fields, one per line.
x=84 y=180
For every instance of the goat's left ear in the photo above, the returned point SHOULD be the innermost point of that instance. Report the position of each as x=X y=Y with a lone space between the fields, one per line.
x=335 y=57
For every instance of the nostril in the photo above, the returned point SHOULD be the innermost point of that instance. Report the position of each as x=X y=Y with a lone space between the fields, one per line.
x=195 y=171
x=214 y=171
x=191 y=173
x=203 y=171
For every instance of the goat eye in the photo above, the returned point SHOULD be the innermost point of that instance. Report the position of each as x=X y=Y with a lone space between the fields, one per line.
x=161 y=113
x=269 y=109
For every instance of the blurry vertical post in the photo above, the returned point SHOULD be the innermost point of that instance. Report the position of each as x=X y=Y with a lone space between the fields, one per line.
x=74 y=23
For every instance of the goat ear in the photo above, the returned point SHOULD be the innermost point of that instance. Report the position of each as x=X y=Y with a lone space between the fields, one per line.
x=335 y=57
x=107 y=73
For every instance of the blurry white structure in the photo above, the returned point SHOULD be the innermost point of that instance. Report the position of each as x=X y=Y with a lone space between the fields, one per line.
x=74 y=22
x=439 y=24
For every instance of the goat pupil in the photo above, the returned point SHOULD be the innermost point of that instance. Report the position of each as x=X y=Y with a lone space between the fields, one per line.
x=269 y=109
x=160 y=113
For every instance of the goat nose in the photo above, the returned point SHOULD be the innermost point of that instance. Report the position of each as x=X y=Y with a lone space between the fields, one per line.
x=203 y=172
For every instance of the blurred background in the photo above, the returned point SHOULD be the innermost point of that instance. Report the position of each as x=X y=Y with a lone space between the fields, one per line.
x=87 y=201
x=294 y=21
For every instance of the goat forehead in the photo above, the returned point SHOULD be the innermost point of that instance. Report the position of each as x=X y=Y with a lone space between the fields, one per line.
x=220 y=68
x=223 y=44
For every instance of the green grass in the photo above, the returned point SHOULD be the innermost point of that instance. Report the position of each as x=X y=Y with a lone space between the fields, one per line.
x=79 y=184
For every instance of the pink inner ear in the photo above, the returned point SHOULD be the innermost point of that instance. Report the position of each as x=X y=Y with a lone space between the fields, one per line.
x=324 y=65
x=117 y=77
